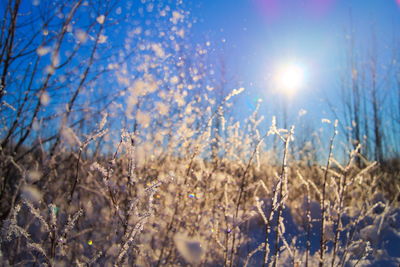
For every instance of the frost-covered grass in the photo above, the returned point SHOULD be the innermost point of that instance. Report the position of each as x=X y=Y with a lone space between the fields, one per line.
x=120 y=146
x=174 y=206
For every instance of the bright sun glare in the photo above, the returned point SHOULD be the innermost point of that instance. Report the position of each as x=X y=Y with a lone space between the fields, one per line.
x=290 y=78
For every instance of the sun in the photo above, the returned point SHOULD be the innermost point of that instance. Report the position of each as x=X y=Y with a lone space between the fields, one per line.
x=289 y=78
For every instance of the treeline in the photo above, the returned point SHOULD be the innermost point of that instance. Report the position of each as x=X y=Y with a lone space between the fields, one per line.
x=369 y=110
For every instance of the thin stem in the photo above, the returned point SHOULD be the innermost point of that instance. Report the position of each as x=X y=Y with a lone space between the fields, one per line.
x=323 y=210
x=283 y=180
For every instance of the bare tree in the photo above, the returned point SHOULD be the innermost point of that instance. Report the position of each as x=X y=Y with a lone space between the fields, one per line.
x=49 y=59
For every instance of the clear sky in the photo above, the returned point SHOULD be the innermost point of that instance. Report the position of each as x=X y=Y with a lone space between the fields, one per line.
x=254 y=36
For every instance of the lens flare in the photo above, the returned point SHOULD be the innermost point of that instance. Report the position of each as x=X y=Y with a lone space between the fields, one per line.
x=279 y=10
x=269 y=9
x=320 y=8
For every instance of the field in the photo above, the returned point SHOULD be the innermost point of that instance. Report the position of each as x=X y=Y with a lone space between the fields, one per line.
x=164 y=210
x=131 y=136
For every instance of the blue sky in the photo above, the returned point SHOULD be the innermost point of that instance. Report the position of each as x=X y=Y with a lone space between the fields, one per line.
x=254 y=36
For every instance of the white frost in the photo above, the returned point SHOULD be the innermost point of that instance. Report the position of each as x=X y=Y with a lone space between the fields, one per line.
x=100 y=19
x=176 y=17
